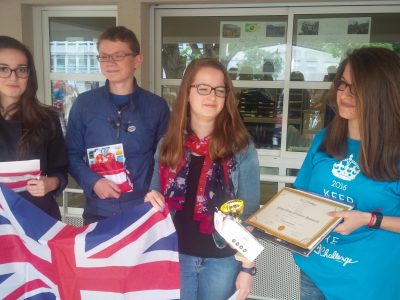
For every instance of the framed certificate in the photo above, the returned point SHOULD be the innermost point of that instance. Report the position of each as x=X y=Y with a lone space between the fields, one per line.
x=296 y=220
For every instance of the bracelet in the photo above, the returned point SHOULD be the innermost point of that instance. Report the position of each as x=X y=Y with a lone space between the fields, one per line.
x=378 y=222
x=252 y=271
x=372 y=220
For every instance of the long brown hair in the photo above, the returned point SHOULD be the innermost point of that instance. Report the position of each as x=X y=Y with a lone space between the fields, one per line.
x=376 y=87
x=229 y=136
x=33 y=115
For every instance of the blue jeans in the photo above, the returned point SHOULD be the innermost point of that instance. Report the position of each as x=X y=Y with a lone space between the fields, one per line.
x=207 y=278
x=308 y=290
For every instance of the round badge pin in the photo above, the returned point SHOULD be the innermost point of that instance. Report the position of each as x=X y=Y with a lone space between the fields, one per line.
x=131 y=128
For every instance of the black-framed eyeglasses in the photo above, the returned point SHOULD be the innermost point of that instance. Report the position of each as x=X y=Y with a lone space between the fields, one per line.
x=20 y=72
x=205 y=89
x=118 y=56
x=341 y=85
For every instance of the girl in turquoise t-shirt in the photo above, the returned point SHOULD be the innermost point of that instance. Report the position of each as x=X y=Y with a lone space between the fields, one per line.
x=356 y=160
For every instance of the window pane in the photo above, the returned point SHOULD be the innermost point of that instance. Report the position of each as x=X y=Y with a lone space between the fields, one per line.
x=64 y=93
x=252 y=48
x=73 y=43
x=292 y=172
x=268 y=189
x=320 y=41
x=308 y=114
x=258 y=109
x=169 y=93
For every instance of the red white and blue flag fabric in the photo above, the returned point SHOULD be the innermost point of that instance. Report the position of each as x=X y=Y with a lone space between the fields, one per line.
x=130 y=256
x=16 y=174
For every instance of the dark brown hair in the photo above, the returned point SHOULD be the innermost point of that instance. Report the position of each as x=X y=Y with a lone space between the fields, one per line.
x=33 y=115
x=375 y=76
x=229 y=136
x=123 y=34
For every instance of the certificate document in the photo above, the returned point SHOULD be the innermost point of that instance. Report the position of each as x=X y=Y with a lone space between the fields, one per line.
x=296 y=219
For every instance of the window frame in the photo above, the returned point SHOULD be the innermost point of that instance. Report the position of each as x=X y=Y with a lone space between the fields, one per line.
x=281 y=159
x=41 y=23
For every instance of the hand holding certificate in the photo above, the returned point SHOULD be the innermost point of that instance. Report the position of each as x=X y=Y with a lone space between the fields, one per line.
x=296 y=220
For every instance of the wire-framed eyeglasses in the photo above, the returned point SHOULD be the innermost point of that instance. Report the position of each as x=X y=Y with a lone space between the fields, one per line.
x=118 y=56
x=20 y=72
x=341 y=85
x=205 y=90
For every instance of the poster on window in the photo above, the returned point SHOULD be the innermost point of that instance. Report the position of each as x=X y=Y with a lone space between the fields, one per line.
x=248 y=48
x=314 y=33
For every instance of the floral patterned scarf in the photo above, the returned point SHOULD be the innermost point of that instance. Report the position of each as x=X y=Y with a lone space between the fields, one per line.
x=214 y=186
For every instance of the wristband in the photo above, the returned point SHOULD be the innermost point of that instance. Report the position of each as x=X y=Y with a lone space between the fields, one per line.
x=252 y=271
x=378 y=222
x=372 y=220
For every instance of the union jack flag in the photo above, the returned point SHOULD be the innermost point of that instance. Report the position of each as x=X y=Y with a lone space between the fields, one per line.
x=130 y=256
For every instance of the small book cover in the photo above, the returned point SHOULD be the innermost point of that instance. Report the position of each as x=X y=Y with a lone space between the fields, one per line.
x=109 y=162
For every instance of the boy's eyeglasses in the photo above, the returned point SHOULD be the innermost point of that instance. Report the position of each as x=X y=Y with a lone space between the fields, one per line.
x=114 y=57
x=205 y=89
x=20 y=72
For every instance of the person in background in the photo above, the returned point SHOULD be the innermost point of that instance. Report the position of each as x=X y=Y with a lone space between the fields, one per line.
x=356 y=159
x=118 y=113
x=29 y=129
x=206 y=159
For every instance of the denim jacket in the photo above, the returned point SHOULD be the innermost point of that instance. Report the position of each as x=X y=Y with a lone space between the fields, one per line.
x=245 y=177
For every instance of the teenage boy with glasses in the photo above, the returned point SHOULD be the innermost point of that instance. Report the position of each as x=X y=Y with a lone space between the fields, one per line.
x=118 y=113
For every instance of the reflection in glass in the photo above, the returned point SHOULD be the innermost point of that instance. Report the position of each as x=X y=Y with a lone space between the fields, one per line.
x=65 y=92
x=321 y=41
x=292 y=172
x=169 y=93
x=308 y=113
x=268 y=190
x=73 y=43
x=251 y=47
x=258 y=110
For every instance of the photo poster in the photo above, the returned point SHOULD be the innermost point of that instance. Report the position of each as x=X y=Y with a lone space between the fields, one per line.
x=239 y=36
x=312 y=33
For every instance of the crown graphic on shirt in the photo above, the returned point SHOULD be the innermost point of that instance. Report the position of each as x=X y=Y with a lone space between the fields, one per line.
x=347 y=169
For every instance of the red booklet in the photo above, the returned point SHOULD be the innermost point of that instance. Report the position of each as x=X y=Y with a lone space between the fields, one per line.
x=109 y=162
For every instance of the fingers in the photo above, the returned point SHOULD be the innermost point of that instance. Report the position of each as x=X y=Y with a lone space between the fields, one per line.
x=106 y=189
x=36 y=187
x=115 y=189
x=156 y=199
x=242 y=295
x=249 y=228
x=244 y=284
x=338 y=214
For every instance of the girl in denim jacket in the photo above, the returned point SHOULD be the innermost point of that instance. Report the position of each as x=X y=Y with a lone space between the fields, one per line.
x=206 y=159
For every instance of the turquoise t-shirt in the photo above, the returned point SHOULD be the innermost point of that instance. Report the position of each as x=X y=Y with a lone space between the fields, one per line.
x=366 y=263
